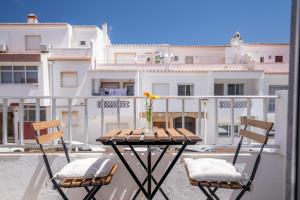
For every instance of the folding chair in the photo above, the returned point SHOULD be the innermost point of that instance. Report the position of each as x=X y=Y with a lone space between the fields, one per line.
x=95 y=183
x=209 y=187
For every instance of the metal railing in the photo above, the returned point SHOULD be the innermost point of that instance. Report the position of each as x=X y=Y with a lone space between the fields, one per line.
x=201 y=107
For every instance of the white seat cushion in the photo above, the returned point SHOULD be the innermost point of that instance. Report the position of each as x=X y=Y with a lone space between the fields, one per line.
x=86 y=168
x=209 y=169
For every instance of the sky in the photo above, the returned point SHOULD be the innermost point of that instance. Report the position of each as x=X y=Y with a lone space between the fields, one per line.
x=182 y=22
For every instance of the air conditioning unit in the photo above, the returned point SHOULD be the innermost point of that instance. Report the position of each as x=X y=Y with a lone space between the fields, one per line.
x=45 y=48
x=3 y=48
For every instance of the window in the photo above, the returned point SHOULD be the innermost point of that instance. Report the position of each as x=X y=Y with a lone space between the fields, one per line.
x=278 y=59
x=82 y=43
x=262 y=59
x=225 y=130
x=272 y=91
x=176 y=58
x=185 y=90
x=189 y=60
x=33 y=42
x=30 y=111
x=219 y=89
x=130 y=88
x=18 y=74
x=160 y=89
x=69 y=79
x=235 y=89
x=74 y=116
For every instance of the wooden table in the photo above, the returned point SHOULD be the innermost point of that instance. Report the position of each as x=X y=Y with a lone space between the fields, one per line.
x=161 y=137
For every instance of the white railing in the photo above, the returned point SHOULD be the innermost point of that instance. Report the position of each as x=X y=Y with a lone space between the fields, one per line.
x=207 y=108
x=71 y=52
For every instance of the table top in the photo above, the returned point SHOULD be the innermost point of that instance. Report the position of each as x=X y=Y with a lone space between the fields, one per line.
x=160 y=136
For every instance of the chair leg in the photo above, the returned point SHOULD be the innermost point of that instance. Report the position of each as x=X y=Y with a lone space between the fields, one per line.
x=241 y=194
x=212 y=192
x=205 y=192
x=56 y=186
x=88 y=190
x=92 y=192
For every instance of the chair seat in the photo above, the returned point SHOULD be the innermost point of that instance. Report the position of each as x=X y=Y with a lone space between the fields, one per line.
x=88 y=168
x=71 y=183
x=212 y=170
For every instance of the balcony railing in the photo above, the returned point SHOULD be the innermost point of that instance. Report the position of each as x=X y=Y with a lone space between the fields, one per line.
x=96 y=110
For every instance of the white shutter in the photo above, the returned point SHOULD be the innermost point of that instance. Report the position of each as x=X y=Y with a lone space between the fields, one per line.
x=33 y=42
x=69 y=79
x=160 y=89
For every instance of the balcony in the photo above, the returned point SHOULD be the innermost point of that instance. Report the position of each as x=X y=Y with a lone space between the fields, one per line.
x=95 y=117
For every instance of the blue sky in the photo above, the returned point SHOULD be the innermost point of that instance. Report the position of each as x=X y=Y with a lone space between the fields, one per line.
x=165 y=21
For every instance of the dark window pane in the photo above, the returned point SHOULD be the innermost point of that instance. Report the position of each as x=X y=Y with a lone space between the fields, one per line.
x=43 y=115
x=31 y=115
x=239 y=89
x=6 y=67
x=31 y=67
x=279 y=59
x=219 y=89
x=231 y=89
x=6 y=77
x=181 y=91
x=188 y=90
x=19 y=77
x=19 y=68
x=32 y=77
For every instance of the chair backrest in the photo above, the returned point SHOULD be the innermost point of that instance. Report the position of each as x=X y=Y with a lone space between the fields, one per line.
x=262 y=139
x=42 y=139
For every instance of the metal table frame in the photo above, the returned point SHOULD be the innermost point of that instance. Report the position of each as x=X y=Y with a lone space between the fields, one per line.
x=149 y=193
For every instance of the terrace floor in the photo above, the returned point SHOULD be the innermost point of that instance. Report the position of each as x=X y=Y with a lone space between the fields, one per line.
x=24 y=176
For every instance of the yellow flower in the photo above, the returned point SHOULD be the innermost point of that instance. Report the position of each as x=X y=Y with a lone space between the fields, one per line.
x=151 y=96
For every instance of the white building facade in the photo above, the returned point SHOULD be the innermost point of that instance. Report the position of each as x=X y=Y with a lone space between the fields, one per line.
x=74 y=61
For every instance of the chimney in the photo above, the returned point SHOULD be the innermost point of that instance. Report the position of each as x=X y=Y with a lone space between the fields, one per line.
x=104 y=28
x=32 y=19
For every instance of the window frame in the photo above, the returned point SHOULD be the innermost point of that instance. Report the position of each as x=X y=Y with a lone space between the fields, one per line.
x=185 y=89
x=25 y=71
x=236 y=134
x=71 y=85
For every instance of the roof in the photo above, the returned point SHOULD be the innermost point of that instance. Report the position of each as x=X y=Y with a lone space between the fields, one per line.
x=66 y=58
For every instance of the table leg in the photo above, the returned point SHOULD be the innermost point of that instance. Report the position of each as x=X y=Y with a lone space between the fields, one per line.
x=129 y=169
x=149 y=171
x=168 y=169
x=153 y=168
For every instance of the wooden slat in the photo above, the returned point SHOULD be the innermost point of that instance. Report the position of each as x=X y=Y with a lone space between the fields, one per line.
x=135 y=136
x=162 y=135
x=66 y=183
x=258 y=124
x=122 y=136
x=109 y=135
x=253 y=136
x=189 y=135
x=45 y=124
x=177 y=137
x=149 y=137
x=49 y=137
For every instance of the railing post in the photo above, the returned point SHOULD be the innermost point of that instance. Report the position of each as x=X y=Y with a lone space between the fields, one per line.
x=70 y=123
x=134 y=113
x=118 y=112
x=37 y=111
x=4 y=122
x=166 y=114
x=21 y=121
x=182 y=115
x=232 y=121
x=53 y=113
x=102 y=117
x=216 y=119
x=199 y=117
x=248 y=116
x=265 y=109
x=86 y=122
